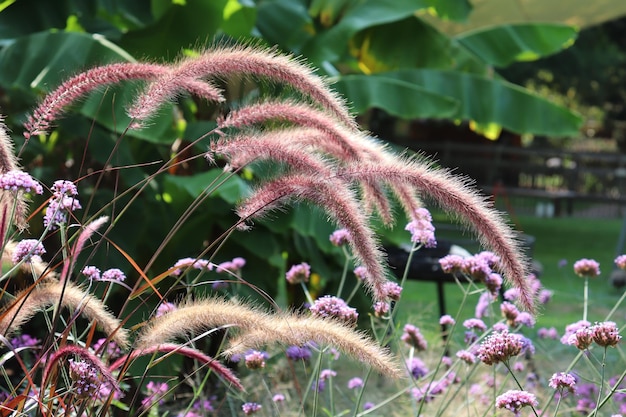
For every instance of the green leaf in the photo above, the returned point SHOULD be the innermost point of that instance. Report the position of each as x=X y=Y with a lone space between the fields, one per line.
x=392 y=46
x=43 y=60
x=330 y=45
x=487 y=101
x=239 y=19
x=397 y=97
x=505 y=44
x=285 y=23
x=231 y=188
x=179 y=26
x=457 y=10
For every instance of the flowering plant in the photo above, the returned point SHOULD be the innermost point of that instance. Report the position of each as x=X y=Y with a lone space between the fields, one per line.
x=85 y=338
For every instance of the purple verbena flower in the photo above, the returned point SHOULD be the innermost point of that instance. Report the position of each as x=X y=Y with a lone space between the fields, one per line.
x=62 y=188
x=298 y=273
x=334 y=307
x=466 y=356
x=278 y=398
x=393 y=290
x=572 y=328
x=111 y=350
x=368 y=405
x=155 y=391
x=620 y=262
x=92 y=273
x=251 y=408
x=255 y=359
x=361 y=273
x=605 y=334
x=446 y=320
x=58 y=210
x=587 y=268
x=355 y=383
x=16 y=180
x=297 y=353
x=514 y=400
x=381 y=308
x=24 y=340
x=582 y=338
x=164 y=308
x=233 y=266
x=421 y=228
x=113 y=274
x=525 y=319
x=475 y=324
x=416 y=367
x=499 y=347
x=84 y=376
x=27 y=250
x=412 y=336
x=452 y=263
x=340 y=237
x=563 y=381
x=548 y=333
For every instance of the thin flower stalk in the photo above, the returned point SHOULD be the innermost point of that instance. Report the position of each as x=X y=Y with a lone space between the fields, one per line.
x=29 y=302
x=83 y=237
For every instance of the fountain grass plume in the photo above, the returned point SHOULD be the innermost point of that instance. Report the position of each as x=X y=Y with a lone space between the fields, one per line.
x=30 y=301
x=282 y=146
x=85 y=82
x=298 y=330
x=454 y=194
x=266 y=63
x=200 y=316
x=339 y=203
x=8 y=202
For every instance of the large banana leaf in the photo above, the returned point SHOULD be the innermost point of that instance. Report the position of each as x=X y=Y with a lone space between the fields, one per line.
x=502 y=45
x=481 y=100
x=397 y=97
x=406 y=43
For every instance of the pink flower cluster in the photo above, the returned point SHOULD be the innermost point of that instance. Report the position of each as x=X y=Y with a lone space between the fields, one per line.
x=587 y=268
x=422 y=229
x=334 y=307
x=499 y=347
x=514 y=400
x=480 y=267
x=298 y=273
x=16 y=180
x=412 y=336
x=582 y=334
x=64 y=201
x=27 y=250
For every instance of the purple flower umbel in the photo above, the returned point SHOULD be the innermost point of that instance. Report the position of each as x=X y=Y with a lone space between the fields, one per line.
x=27 y=250
x=514 y=400
x=499 y=347
x=330 y=306
x=16 y=180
